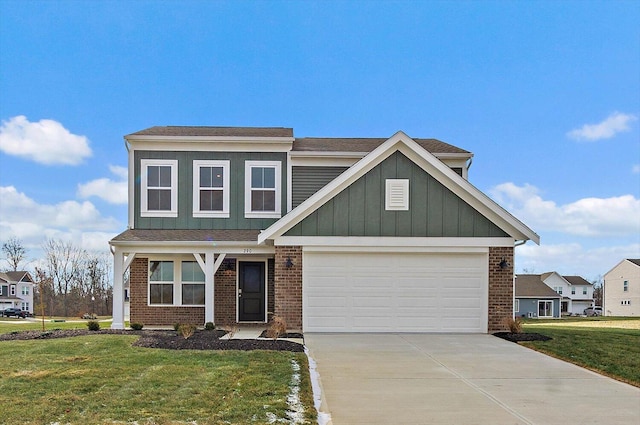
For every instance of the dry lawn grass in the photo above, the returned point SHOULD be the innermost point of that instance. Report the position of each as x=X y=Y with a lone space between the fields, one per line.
x=618 y=324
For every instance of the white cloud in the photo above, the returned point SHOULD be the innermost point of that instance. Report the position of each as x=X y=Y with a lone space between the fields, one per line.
x=32 y=222
x=613 y=124
x=588 y=217
x=572 y=258
x=635 y=169
x=46 y=141
x=114 y=192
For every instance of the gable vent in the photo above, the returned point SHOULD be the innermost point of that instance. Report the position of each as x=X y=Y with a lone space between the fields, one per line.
x=397 y=195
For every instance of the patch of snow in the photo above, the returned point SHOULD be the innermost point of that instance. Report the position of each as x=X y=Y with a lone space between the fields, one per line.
x=324 y=418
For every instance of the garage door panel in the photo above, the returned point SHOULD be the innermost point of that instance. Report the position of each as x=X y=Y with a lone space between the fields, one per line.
x=391 y=292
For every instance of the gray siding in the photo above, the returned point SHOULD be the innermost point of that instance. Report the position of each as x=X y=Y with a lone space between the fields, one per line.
x=359 y=210
x=306 y=181
x=185 y=219
x=530 y=305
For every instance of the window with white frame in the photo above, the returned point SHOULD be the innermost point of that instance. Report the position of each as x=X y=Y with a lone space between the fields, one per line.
x=210 y=188
x=517 y=305
x=25 y=307
x=192 y=283
x=159 y=188
x=25 y=290
x=558 y=289
x=13 y=290
x=625 y=286
x=262 y=189
x=161 y=282
x=573 y=290
x=584 y=290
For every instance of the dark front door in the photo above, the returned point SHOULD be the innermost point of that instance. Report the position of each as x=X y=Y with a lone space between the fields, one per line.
x=251 y=292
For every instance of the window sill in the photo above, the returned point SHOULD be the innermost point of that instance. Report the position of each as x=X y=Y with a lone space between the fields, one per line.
x=269 y=214
x=160 y=214
x=210 y=215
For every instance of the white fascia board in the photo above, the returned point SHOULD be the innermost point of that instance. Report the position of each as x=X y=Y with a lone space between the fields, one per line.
x=468 y=192
x=222 y=144
x=314 y=159
x=426 y=160
x=130 y=185
x=160 y=247
x=410 y=244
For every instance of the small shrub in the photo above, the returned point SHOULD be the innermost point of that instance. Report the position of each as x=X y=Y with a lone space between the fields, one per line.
x=136 y=326
x=176 y=326
x=93 y=325
x=278 y=327
x=187 y=330
x=514 y=325
x=209 y=326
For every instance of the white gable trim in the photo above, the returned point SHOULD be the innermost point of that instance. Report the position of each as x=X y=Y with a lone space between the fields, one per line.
x=424 y=159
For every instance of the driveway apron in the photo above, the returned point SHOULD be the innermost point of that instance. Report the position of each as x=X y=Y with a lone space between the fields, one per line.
x=460 y=379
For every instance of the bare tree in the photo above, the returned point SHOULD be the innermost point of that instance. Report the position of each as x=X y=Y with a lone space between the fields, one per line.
x=15 y=252
x=65 y=267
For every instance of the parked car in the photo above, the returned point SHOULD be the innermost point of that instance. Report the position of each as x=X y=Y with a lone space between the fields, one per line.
x=9 y=312
x=593 y=311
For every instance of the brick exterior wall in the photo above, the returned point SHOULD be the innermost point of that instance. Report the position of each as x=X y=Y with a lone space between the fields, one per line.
x=288 y=286
x=141 y=312
x=224 y=303
x=500 y=288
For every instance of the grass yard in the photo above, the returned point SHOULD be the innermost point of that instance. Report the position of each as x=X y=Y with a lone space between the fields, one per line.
x=612 y=351
x=102 y=379
x=11 y=324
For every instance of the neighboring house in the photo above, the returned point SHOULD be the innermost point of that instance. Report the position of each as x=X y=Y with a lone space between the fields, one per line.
x=16 y=291
x=533 y=298
x=577 y=293
x=235 y=225
x=622 y=289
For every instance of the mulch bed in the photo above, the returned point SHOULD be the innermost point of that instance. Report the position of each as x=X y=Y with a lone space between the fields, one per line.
x=265 y=334
x=522 y=337
x=170 y=340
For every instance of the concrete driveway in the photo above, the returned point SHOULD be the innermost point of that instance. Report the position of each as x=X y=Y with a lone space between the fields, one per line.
x=460 y=379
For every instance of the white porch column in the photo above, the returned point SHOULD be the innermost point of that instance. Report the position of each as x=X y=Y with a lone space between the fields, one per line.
x=209 y=271
x=118 y=290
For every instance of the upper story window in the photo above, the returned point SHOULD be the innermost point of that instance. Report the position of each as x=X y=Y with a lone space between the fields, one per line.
x=558 y=289
x=210 y=188
x=625 y=286
x=262 y=189
x=159 y=188
x=584 y=290
x=13 y=290
x=25 y=290
x=573 y=290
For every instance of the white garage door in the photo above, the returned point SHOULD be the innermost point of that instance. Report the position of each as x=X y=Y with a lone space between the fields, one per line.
x=393 y=292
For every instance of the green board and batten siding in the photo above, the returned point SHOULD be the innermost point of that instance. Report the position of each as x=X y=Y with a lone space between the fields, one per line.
x=359 y=210
x=185 y=219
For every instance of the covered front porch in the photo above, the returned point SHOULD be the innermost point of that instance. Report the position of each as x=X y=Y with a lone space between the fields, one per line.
x=192 y=277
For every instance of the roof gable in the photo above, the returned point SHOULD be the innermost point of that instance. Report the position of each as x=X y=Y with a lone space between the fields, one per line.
x=359 y=209
x=400 y=142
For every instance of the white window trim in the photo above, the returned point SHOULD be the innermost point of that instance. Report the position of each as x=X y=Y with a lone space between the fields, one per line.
x=517 y=305
x=12 y=290
x=177 y=281
x=396 y=195
x=144 y=209
x=197 y=213
x=551 y=311
x=248 y=165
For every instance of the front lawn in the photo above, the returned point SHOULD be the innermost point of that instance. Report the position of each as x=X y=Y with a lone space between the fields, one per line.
x=613 y=352
x=102 y=379
x=12 y=325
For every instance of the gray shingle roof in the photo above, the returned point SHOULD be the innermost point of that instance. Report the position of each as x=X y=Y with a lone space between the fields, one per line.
x=161 y=235
x=187 y=131
x=16 y=276
x=531 y=285
x=634 y=261
x=346 y=144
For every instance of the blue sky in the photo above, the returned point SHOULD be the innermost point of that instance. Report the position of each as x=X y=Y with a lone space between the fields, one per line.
x=545 y=93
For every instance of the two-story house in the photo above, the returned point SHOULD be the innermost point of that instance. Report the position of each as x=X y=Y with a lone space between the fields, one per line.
x=235 y=224
x=621 y=296
x=16 y=291
x=577 y=293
